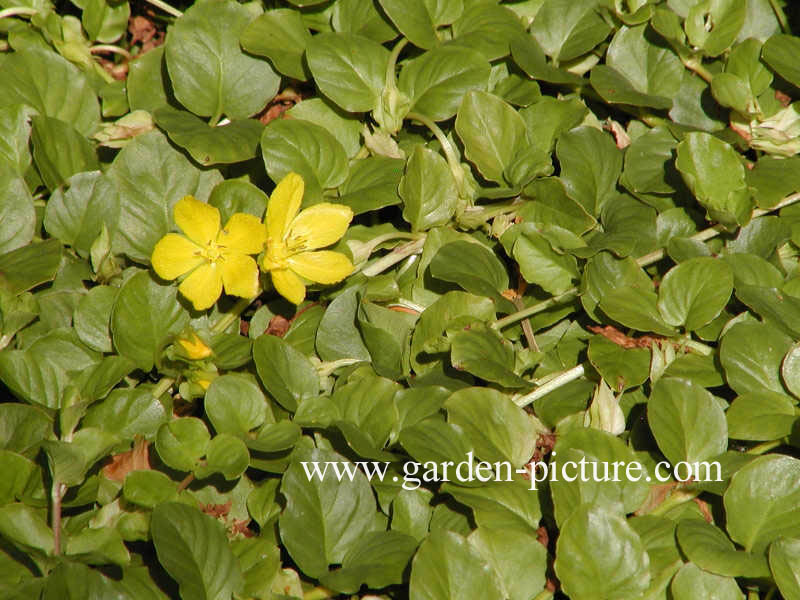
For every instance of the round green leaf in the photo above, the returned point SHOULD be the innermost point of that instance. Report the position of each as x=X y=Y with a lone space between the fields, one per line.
x=209 y=72
x=620 y=367
x=287 y=374
x=692 y=583
x=448 y=566
x=194 y=550
x=751 y=355
x=182 y=442
x=498 y=428
x=145 y=314
x=428 y=190
x=281 y=36
x=761 y=416
x=226 y=454
x=149 y=488
x=17 y=214
x=777 y=513
x=598 y=555
x=708 y=547
x=790 y=370
x=784 y=561
x=694 y=292
x=92 y=317
x=686 y=421
x=349 y=69
x=234 y=404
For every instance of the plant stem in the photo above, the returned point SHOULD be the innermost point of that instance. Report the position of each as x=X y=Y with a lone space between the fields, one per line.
x=229 y=317
x=17 y=11
x=102 y=48
x=447 y=148
x=765 y=447
x=695 y=65
x=567 y=296
x=56 y=494
x=391 y=66
x=185 y=482
x=394 y=257
x=676 y=498
x=166 y=7
x=555 y=383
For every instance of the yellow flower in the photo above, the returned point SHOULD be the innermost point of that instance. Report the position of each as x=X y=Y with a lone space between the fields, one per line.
x=212 y=257
x=292 y=237
x=194 y=347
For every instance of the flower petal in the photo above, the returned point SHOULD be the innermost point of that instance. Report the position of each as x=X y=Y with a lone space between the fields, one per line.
x=324 y=266
x=175 y=255
x=203 y=286
x=320 y=225
x=283 y=205
x=240 y=275
x=288 y=285
x=198 y=220
x=243 y=233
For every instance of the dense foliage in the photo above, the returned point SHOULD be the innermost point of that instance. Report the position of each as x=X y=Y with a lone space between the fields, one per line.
x=531 y=231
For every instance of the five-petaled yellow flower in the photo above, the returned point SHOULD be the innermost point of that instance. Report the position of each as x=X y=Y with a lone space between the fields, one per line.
x=294 y=240
x=211 y=257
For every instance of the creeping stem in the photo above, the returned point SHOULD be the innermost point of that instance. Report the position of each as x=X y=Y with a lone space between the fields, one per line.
x=447 y=147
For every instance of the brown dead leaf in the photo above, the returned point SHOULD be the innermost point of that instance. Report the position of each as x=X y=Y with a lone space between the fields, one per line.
x=657 y=495
x=278 y=326
x=279 y=105
x=242 y=528
x=783 y=98
x=217 y=510
x=136 y=459
x=620 y=339
x=621 y=136
x=704 y=508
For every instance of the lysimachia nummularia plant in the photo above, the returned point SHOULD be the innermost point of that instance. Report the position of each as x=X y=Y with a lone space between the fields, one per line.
x=269 y=269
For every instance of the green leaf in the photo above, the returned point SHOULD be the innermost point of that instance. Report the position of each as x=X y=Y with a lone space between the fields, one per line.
x=307 y=149
x=779 y=52
x=412 y=19
x=194 y=550
x=324 y=518
x=694 y=292
x=539 y=263
x=567 y=29
x=437 y=81
x=372 y=184
x=28 y=266
x=26 y=527
x=530 y=57
x=727 y=17
x=712 y=170
x=182 y=442
x=635 y=308
x=487 y=28
x=472 y=266
x=234 y=142
x=128 y=412
x=287 y=374
x=784 y=561
x=17 y=214
x=428 y=190
x=362 y=18
x=368 y=404
x=105 y=21
x=707 y=546
x=148 y=82
x=210 y=74
x=15 y=131
x=337 y=335
x=492 y=133
x=378 y=560
x=60 y=151
x=621 y=368
x=761 y=416
x=226 y=454
x=235 y=404
x=774 y=306
x=92 y=318
x=640 y=70
x=349 y=69
x=751 y=355
x=76 y=214
x=98 y=547
x=499 y=430
x=23 y=427
x=486 y=354
x=790 y=370
x=686 y=421
x=590 y=166
x=448 y=566
x=516 y=558
x=599 y=555
x=234 y=195
x=281 y=36
x=17 y=470
x=776 y=515
x=692 y=582
x=151 y=177
x=145 y=315
x=43 y=80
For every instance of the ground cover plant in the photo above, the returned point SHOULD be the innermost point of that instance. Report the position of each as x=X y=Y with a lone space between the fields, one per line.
x=238 y=238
